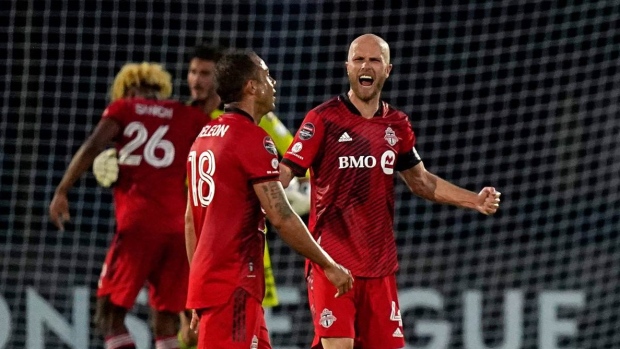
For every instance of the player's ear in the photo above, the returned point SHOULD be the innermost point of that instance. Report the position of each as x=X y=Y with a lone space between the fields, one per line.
x=250 y=87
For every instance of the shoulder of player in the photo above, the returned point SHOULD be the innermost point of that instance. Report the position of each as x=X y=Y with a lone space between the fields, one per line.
x=330 y=104
x=395 y=114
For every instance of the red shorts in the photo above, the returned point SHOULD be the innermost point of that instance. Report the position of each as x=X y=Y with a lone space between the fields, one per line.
x=240 y=323
x=371 y=308
x=135 y=259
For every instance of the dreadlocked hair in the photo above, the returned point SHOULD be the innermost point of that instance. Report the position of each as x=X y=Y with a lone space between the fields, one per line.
x=142 y=75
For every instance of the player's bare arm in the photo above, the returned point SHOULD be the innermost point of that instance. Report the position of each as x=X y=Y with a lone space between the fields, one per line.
x=103 y=134
x=190 y=233
x=431 y=187
x=286 y=175
x=293 y=231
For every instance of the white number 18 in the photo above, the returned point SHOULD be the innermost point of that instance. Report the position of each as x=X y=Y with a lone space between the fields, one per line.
x=203 y=168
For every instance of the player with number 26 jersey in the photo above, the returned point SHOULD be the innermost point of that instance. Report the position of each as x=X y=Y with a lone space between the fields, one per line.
x=150 y=199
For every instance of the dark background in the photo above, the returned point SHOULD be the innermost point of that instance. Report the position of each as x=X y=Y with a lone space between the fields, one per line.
x=522 y=96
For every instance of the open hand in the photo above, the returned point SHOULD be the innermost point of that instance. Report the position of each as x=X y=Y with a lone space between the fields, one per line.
x=488 y=201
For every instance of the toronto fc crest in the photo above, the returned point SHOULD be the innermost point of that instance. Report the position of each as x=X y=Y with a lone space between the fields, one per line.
x=390 y=136
x=327 y=318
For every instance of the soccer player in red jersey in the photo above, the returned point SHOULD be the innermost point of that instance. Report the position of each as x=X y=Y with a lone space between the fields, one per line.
x=353 y=144
x=234 y=182
x=153 y=137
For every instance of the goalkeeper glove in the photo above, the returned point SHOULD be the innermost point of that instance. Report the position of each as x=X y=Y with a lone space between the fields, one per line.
x=300 y=201
x=105 y=167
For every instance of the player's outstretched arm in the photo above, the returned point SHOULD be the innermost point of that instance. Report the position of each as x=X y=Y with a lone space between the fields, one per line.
x=103 y=134
x=293 y=231
x=433 y=188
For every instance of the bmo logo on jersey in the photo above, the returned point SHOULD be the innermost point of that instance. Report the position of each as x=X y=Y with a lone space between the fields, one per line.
x=388 y=158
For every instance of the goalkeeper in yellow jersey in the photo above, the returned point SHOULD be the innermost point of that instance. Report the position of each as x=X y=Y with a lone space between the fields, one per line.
x=200 y=80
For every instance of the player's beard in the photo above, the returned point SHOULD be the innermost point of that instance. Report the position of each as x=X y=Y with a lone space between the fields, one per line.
x=363 y=94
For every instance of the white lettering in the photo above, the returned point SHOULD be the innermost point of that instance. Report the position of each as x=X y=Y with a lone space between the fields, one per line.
x=357 y=162
x=550 y=328
x=154 y=110
x=5 y=323
x=40 y=313
x=214 y=131
x=513 y=318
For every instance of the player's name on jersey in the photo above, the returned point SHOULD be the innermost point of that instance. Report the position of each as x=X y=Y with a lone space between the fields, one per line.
x=154 y=110
x=214 y=131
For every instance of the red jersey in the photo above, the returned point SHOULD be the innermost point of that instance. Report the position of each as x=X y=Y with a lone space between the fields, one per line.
x=150 y=194
x=229 y=156
x=352 y=162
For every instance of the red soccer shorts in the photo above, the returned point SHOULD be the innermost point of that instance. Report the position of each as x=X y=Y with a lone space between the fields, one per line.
x=160 y=260
x=371 y=307
x=238 y=324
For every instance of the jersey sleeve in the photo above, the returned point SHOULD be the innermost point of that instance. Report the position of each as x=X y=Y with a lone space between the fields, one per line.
x=281 y=136
x=407 y=156
x=117 y=111
x=306 y=144
x=260 y=157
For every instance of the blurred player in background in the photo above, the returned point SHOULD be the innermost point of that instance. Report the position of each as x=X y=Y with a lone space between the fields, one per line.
x=233 y=173
x=153 y=137
x=353 y=144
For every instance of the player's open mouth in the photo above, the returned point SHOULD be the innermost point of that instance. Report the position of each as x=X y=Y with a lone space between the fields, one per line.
x=366 y=80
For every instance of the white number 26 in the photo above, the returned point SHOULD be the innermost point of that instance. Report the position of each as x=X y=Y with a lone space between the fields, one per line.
x=156 y=141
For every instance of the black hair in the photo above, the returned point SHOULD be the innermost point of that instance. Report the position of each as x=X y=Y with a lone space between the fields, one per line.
x=232 y=72
x=207 y=52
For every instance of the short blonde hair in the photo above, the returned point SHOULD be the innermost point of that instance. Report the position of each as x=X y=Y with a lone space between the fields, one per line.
x=143 y=74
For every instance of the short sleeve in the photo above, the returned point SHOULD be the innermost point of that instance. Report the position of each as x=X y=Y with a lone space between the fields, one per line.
x=306 y=144
x=260 y=157
x=117 y=111
x=407 y=156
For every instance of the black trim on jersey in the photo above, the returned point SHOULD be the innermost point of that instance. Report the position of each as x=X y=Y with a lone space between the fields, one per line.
x=347 y=102
x=228 y=109
x=407 y=161
x=298 y=171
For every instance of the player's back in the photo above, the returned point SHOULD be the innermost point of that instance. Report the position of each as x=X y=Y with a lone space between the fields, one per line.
x=156 y=136
x=228 y=157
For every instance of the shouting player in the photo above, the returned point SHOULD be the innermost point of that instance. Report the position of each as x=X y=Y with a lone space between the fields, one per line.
x=153 y=137
x=353 y=144
x=233 y=173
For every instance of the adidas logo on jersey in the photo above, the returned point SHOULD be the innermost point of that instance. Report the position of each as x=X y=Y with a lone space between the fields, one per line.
x=397 y=333
x=345 y=138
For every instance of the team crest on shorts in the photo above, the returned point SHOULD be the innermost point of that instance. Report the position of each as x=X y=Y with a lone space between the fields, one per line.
x=327 y=318
x=390 y=136
x=307 y=131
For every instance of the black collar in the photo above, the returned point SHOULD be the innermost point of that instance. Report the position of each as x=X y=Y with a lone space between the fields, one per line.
x=347 y=102
x=229 y=109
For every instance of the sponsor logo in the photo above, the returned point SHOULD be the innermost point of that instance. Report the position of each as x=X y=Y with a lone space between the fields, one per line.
x=270 y=146
x=357 y=162
x=390 y=136
x=274 y=164
x=295 y=155
x=297 y=147
x=307 y=131
x=397 y=333
x=345 y=138
x=387 y=162
x=327 y=318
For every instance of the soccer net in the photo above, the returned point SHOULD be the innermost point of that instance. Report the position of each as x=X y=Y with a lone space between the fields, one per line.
x=523 y=96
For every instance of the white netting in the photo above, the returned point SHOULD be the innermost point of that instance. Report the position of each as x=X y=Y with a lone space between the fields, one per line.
x=522 y=96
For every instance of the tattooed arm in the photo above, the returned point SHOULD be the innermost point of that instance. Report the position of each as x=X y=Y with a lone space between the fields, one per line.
x=295 y=234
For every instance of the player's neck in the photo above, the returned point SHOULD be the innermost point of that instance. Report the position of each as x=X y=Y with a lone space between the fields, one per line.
x=249 y=108
x=367 y=109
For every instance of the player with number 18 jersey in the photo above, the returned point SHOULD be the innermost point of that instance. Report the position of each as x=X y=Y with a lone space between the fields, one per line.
x=150 y=199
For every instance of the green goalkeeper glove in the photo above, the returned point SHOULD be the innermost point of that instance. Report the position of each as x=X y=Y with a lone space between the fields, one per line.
x=105 y=167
